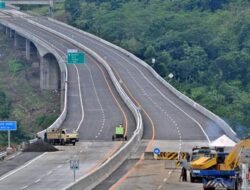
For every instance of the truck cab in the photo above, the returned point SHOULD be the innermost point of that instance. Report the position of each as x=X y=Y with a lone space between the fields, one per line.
x=62 y=136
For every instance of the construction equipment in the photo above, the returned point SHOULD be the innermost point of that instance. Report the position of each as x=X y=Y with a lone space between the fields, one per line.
x=61 y=136
x=119 y=133
x=219 y=169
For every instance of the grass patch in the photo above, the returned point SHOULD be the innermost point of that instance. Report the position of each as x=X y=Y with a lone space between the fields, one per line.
x=16 y=66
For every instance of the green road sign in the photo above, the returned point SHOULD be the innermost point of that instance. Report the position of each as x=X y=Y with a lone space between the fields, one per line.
x=75 y=57
x=2 y=5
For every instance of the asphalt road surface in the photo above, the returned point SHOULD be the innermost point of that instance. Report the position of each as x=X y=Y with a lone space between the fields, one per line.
x=163 y=112
x=94 y=107
x=102 y=107
x=172 y=118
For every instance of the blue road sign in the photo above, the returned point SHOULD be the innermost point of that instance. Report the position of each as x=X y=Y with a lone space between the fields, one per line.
x=8 y=126
x=157 y=151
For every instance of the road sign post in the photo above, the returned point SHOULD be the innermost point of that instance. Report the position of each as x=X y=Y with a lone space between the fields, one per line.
x=74 y=165
x=157 y=151
x=8 y=126
x=75 y=57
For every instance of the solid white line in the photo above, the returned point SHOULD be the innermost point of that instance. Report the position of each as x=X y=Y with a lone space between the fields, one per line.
x=112 y=50
x=98 y=98
x=166 y=98
x=50 y=172
x=24 y=187
x=21 y=167
x=80 y=94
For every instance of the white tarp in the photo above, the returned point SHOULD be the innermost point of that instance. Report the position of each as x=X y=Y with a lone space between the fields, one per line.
x=223 y=141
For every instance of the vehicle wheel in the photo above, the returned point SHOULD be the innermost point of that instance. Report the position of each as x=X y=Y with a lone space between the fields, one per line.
x=236 y=185
x=62 y=142
x=74 y=143
x=192 y=179
x=209 y=188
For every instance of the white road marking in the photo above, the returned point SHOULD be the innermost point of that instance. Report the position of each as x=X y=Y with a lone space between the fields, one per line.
x=37 y=180
x=143 y=75
x=21 y=167
x=50 y=172
x=24 y=187
x=98 y=99
x=80 y=93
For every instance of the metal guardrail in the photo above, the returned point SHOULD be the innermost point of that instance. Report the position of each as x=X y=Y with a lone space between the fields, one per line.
x=3 y=155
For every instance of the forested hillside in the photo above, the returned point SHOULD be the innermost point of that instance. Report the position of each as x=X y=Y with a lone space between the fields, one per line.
x=204 y=43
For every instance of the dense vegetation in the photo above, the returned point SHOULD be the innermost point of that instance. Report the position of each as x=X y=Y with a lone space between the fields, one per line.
x=204 y=43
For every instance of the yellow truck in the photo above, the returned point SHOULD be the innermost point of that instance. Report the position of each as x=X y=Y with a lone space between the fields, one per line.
x=61 y=136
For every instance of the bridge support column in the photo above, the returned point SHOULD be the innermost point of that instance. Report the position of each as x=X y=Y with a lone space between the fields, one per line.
x=27 y=49
x=19 y=41
x=7 y=31
x=11 y=33
x=2 y=28
x=44 y=74
x=50 y=78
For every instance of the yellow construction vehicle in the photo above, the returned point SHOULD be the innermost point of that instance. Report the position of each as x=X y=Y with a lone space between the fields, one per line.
x=219 y=169
x=61 y=136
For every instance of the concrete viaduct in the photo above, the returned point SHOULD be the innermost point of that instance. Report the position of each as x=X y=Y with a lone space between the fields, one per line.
x=52 y=74
x=34 y=2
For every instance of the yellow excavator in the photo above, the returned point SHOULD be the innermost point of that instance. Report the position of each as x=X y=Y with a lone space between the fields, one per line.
x=219 y=169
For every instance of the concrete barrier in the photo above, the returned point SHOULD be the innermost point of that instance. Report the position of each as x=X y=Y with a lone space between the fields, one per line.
x=89 y=181
x=216 y=119
x=148 y=156
x=119 y=157
x=35 y=39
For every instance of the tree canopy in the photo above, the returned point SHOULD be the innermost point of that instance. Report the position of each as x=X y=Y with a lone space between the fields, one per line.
x=204 y=43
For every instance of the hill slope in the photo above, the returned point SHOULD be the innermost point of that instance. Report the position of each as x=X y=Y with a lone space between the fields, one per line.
x=204 y=43
x=20 y=96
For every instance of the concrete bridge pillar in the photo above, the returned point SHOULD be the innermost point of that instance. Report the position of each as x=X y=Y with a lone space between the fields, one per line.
x=27 y=49
x=12 y=33
x=7 y=31
x=2 y=28
x=19 y=41
x=50 y=78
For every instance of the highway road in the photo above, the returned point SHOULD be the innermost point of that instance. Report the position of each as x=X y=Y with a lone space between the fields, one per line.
x=165 y=116
x=97 y=108
x=94 y=107
x=171 y=117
